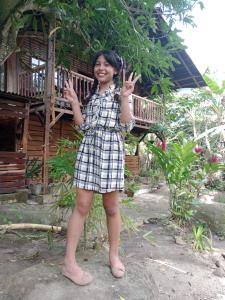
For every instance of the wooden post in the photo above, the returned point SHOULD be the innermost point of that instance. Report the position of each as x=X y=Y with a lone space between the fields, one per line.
x=25 y=129
x=50 y=67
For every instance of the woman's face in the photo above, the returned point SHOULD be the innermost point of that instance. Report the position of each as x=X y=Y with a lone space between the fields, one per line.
x=103 y=71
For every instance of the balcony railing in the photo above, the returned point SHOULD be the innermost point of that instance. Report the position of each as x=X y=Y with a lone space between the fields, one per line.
x=32 y=84
x=147 y=111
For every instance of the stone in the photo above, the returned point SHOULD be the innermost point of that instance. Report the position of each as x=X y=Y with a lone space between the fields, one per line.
x=8 y=198
x=217 y=263
x=219 y=272
x=179 y=241
x=213 y=214
x=22 y=196
x=37 y=199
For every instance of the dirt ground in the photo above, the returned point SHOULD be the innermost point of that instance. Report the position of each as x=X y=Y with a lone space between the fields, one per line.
x=161 y=265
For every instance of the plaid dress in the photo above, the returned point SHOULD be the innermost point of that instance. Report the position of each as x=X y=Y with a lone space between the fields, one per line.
x=100 y=159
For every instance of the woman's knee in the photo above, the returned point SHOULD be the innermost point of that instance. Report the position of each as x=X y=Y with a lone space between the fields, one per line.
x=111 y=211
x=111 y=204
x=83 y=201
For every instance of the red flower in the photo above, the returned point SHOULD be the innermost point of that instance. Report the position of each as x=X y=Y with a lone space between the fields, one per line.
x=164 y=145
x=199 y=149
x=161 y=144
x=214 y=159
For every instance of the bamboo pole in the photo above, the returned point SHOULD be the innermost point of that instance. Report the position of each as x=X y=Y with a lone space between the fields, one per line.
x=31 y=226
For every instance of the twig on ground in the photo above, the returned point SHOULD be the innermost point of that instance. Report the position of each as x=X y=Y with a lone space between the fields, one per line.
x=166 y=264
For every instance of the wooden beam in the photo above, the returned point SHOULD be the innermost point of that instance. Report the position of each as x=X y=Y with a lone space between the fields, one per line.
x=25 y=129
x=187 y=68
x=65 y=111
x=41 y=118
x=49 y=94
x=56 y=119
x=39 y=108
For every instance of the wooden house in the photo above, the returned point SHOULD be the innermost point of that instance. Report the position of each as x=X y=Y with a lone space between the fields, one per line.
x=33 y=115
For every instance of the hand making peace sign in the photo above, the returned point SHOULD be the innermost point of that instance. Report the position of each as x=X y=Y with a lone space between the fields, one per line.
x=128 y=86
x=70 y=95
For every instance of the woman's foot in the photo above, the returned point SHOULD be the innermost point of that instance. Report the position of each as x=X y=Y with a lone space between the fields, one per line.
x=77 y=275
x=117 y=268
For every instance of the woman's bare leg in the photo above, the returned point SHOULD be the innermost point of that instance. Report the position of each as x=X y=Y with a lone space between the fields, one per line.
x=75 y=227
x=111 y=205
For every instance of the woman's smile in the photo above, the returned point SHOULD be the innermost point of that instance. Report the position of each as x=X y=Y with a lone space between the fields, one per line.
x=103 y=71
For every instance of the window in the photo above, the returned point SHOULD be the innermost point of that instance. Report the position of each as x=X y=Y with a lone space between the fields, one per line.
x=38 y=76
x=36 y=62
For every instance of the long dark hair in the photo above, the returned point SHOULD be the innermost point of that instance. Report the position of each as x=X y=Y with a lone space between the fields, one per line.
x=116 y=62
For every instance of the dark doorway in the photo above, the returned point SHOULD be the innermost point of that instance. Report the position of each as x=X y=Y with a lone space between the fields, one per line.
x=8 y=135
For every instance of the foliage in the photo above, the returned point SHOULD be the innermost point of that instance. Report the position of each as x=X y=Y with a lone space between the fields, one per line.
x=198 y=114
x=131 y=186
x=213 y=85
x=61 y=166
x=33 y=168
x=201 y=241
x=186 y=172
x=127 y=172
x=154 y=175
x=134 y=29
x=61 y=171
x=131 y=143
x=127 y=221
x=177 y=164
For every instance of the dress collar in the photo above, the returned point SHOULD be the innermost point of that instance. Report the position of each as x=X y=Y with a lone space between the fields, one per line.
x=110 y=89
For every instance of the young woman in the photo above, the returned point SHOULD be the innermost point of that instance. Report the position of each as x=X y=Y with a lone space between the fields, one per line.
x=100 y=158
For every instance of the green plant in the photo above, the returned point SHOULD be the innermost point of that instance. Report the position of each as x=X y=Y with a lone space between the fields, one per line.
x=33 y=168
x=127 y=172
x=177 y=165
x=131 y=143
x=61 y=171
x=154 y=177
x=131 y=186
x=61 y=166
x=127 y=222
x=201 y=241
x=182 y=204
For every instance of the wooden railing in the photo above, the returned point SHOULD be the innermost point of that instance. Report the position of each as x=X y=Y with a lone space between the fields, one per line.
x=81 y=84
x=32 y=84
x=147 y=111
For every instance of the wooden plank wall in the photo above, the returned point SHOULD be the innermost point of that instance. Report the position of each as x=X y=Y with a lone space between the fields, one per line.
x=38 y=47
x=12 y=171
x=35 y=138
x=133 y=164
x=62 y=129
x=35 y=148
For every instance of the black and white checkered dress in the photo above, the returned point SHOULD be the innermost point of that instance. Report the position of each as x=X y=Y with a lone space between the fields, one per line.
x=100 y=159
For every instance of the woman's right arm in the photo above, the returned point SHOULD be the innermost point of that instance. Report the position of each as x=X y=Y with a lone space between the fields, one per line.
x=71 y=97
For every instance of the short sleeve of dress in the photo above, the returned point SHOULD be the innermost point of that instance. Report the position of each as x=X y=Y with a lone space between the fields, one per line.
x=127 y=127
